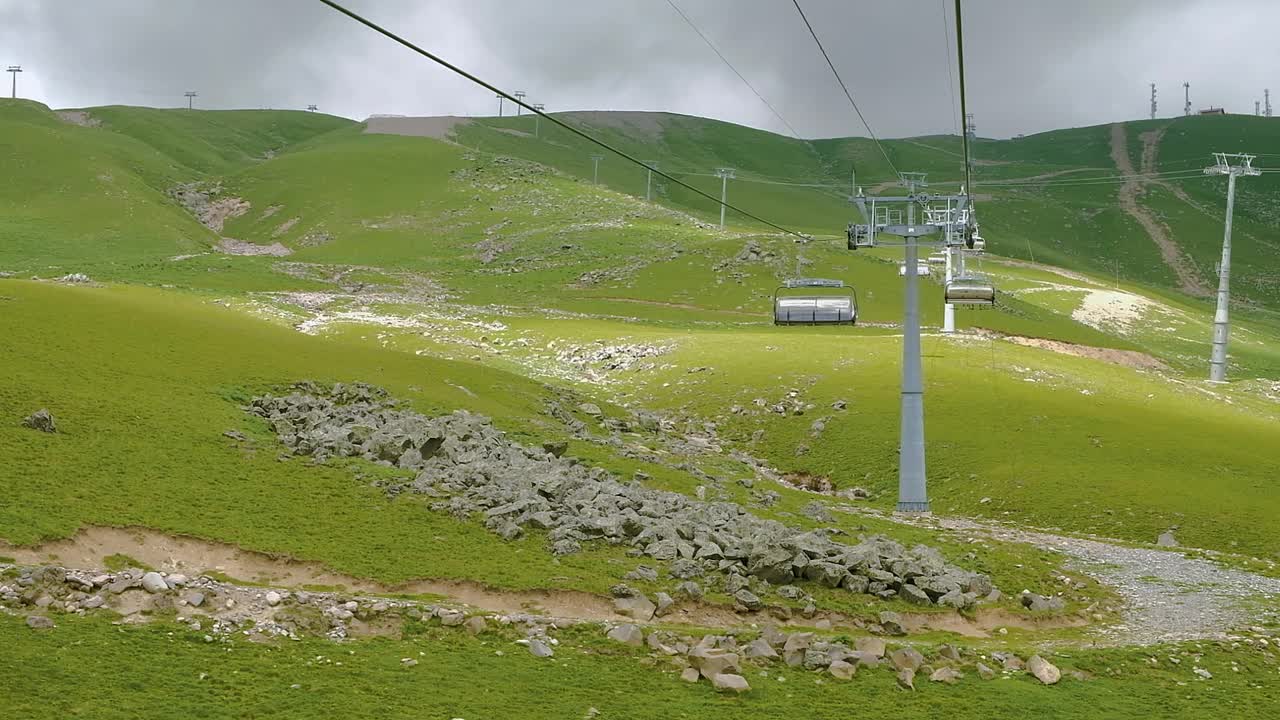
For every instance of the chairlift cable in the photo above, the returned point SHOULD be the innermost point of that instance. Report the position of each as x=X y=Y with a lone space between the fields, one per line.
x=586 y=136
x=845 y=87
x=964 y=108
x=728 y=64
x=946 y=39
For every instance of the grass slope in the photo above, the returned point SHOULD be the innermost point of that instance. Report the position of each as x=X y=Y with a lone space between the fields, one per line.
x=134 y=671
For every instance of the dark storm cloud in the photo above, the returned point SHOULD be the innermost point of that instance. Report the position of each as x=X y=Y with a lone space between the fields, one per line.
x=1031 y=65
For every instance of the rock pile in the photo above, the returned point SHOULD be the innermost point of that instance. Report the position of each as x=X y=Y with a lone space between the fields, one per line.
x=220 y=609
x=622 y=356
x=41 y=420
x=474 y=469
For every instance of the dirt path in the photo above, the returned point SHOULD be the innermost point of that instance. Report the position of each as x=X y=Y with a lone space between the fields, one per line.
x=194 y=556
x=1127 y=358
x=440 y=127
x=1189 y=280
x=1169 y=597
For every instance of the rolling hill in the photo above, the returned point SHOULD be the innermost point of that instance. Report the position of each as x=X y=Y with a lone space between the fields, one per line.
x=163 y=269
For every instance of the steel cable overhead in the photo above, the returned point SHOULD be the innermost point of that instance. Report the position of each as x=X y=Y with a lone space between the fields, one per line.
x=964 y=109
x=494 y=89
x=946 y=39
x=1110 y=180
x=728 y=64
x=844 y=87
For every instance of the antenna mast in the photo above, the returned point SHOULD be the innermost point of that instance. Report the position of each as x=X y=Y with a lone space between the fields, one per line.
x=1186 y=106
x=1153 y=101
x=1266 y=106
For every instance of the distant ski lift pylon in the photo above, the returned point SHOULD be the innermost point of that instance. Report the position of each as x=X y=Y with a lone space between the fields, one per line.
x=814 y=309
x=971 y=290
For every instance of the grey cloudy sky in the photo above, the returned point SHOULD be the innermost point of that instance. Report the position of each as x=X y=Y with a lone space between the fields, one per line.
x=1032 y=64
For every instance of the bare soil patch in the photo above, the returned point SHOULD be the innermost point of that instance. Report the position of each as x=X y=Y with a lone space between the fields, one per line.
x=1127 y=358
x=231 y=246
x=440 y=127
x=78 y=117
x=1189 y=280
x=195 y=556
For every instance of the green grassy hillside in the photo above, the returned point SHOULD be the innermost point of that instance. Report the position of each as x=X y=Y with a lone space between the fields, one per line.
x=490 y=274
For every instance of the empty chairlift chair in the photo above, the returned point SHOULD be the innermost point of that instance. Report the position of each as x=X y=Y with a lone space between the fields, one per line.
x=979 y=245
x=970 y=290
x=814 y=309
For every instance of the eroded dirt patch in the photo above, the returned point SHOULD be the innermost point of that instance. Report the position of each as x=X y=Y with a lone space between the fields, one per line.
x=1127 y=358
x=231 y=246
x=1189 y=279
x=78 y=117
x=194 y=556
x=208 y=204
x=440 y=127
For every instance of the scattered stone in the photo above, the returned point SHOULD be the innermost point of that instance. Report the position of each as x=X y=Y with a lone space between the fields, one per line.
x=906 y=657
x=790 y=592
x=1167 y=539
x=870 y=645
x=817 y=512
x=946 y=675
x=759 y=648
x=1043 y=670
x=195 y=598
x=538 y=648
x=93 y=602
x=590 y=409
x=728 y=682
x=476 y=625
x=748 y=599
x=907 y=679
x=557 y=449
x=41 y=420
x=664 y=603
x=637 y=607
x=892 y=623
x=840 y=405
x=273 y=598
x=985 y=672
x=712 y=661
x=690 y=589
x=153 y=582
x=1202 y=673
x=914 y=595
x=842 y=670
x=627 y=634
x=451 y=618
x=39 y=622
x=642 y=572
x=950 y=652
x=690 y=675
x=794 y=648
x=1040 y=603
